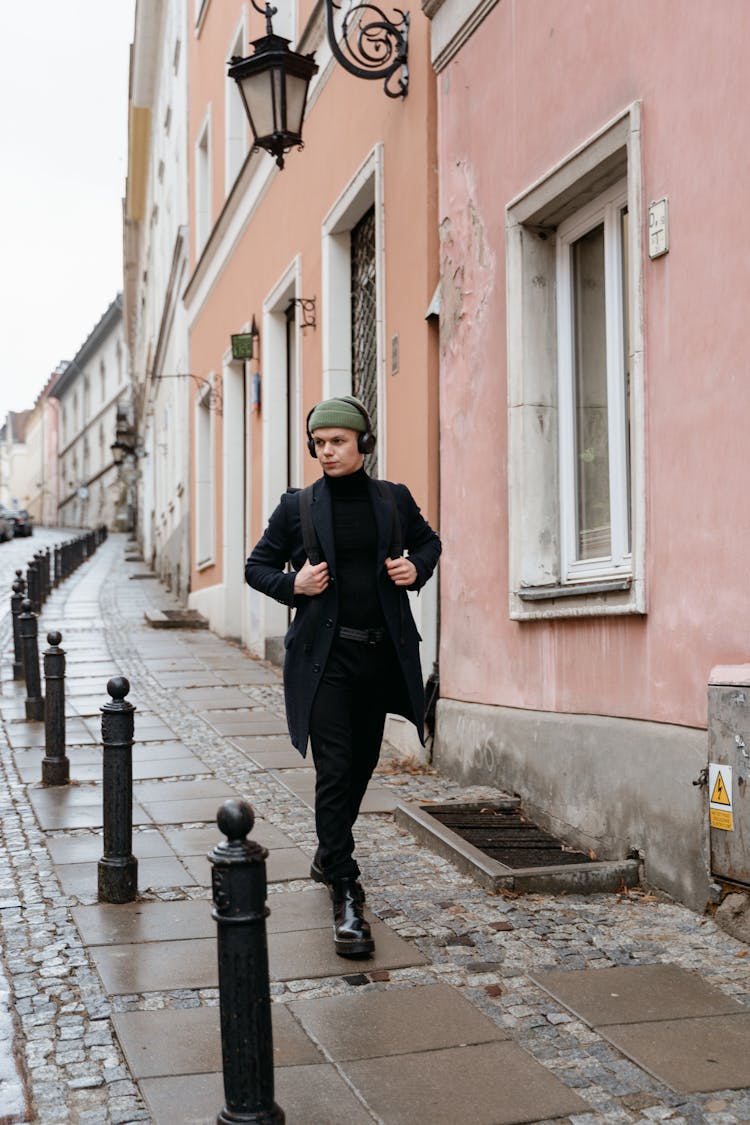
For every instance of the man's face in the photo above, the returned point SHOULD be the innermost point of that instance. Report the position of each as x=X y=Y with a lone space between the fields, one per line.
x=337 y=451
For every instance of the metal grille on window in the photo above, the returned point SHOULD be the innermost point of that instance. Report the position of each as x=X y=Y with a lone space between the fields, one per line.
x=364 y=337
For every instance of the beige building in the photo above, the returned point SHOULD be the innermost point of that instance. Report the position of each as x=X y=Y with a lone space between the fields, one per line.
x=13 y=458
x=94 y=395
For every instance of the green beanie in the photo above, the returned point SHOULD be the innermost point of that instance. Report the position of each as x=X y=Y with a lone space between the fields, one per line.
x=339 y=412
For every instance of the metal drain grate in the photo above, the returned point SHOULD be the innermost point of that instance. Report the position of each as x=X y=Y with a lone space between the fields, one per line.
x=506 y=835
x=498 y=845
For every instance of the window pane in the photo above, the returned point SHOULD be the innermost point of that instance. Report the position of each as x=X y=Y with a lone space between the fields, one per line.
x=594 y=538
x=364 y=322
x=626 y=353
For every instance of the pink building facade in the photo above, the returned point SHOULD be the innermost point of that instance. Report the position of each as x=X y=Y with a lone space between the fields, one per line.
x=594 y=403
x=334 y=259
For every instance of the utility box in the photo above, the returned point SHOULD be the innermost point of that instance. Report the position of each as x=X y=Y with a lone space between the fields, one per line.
x=729 y=772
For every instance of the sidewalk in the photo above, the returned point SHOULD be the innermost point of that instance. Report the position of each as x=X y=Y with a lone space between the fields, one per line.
x=477 y=1008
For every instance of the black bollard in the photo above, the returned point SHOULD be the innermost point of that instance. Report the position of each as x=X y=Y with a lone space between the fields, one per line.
x=118 y=867
x=27 y=628
x=47 y=574
x=16 y=599
x=39 y=556
x=55 y=764
x=239 y=890
x=32 y=585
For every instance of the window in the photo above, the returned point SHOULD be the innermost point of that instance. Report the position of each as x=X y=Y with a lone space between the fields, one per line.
x=575 y=359
x=353 y=320
x=202 y=187
x=103 y=382
x=236 y=137
x=364 y=321
x=592 y=294
x=204 y=457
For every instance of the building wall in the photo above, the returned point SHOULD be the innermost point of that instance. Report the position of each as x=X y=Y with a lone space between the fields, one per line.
x=156 y=274
x=550 y=77
x=281 y=234
x=89 y=391
x=15 y=470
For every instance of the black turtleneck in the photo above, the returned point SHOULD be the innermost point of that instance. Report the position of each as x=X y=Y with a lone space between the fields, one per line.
x=356 y=539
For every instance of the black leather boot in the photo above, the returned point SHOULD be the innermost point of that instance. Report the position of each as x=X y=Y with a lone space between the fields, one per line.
x=318 y=875
x=351 y=932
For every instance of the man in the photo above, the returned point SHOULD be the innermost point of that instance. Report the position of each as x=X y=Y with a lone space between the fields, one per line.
x=352 y=650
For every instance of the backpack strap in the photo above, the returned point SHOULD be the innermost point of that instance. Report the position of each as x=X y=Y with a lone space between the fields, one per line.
x=396 y=548
x=309 y=538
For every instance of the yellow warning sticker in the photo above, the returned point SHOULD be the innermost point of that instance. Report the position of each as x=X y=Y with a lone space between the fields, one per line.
x=720 y=801
x=719 y=795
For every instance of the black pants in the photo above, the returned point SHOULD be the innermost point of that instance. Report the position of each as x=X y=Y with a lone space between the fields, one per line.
x=361 y=683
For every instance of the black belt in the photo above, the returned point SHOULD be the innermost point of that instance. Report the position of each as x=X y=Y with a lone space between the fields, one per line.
x=364 y=636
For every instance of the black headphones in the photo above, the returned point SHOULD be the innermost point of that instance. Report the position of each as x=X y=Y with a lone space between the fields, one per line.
x=365 y=441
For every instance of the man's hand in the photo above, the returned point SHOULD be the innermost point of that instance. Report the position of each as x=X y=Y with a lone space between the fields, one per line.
x=311 y=580
x=401 y=571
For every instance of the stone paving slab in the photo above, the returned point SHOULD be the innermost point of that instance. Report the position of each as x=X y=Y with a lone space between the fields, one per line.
x=250 y=675
x=199 y=841
x=184 y=812
x=158 y=750
x=399 y=1021
x=216 y=698
x=72 y=807
x=29 y=762
x=309 y=953
x=145 y=731
x=309 y=1095
x=134 y=922
x=278 y=759
x=485 y=1084
x=634 y=994
x=158 y=966
x=188 y=1041
x=98 y=672
x=32 y=734
x=88 y=848
x=245 y=722
x=149 y=791
x=301 y=782
x=82 y=878
x=250 y=743
x=173 y=676
x=282 y=866
x=690 y=1055
x=168 y=768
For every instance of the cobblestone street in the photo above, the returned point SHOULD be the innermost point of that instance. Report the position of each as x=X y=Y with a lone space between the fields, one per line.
x=96 y=1036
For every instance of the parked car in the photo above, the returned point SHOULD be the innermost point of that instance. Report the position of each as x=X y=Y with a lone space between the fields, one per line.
x=23 y=523
x=7 y=525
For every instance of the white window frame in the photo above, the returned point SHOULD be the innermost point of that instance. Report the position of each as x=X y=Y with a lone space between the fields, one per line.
x=205 y=449
x=543 y=583
x=365 y=190
x=606 y=210
x=203 y=167
x=236 y=128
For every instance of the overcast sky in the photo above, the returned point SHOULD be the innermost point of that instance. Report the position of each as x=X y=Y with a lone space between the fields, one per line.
x=63 y=161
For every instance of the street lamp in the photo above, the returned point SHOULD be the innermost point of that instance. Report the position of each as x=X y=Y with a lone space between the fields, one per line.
x=273 y=81
x=273 y=85
x=118 y=452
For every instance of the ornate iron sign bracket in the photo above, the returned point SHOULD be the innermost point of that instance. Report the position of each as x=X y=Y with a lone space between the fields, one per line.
x=372 y=46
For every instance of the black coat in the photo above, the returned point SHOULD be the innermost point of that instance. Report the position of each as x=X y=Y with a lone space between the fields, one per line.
x=308 y=641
